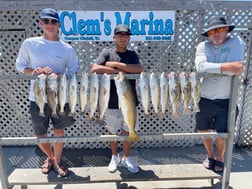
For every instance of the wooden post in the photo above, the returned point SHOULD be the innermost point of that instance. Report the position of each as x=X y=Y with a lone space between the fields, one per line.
x=3 y=175
x=231 y=130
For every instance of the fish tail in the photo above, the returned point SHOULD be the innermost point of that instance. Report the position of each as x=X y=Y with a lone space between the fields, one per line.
x=175 y=115
x=82 y=109
x=62 y=113
x=196 y=108
x=99 y=121
x=133 y=136
x=61 y=109
x=146 y=112
x=90 y=117
x=41 y=113
x=54 y=115
x=156 y=110
x=162 y=113
x=186 y=111
x=71 y=114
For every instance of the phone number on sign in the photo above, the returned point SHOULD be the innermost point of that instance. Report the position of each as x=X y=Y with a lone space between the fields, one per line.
x=157 y=38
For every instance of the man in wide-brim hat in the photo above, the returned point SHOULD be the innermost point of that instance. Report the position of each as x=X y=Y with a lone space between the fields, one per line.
x=220 y=54
x=217 y=22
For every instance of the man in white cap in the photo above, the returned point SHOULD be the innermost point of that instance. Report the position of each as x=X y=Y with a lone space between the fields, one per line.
x=47 y=54
x=113 y=61
x=221 y=54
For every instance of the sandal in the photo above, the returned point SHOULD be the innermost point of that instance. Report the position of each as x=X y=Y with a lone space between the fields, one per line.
x=209 y=163
x=47 y=166
x=219 y=166
x=60 y=169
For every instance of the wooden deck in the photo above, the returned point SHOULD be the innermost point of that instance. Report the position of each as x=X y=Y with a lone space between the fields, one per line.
x=78 y=175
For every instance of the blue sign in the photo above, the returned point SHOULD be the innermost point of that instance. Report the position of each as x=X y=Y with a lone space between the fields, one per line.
x=99 y=26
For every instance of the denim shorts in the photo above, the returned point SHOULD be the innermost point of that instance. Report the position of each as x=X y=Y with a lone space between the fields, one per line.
x=213 y=115
x=114 y=121
x=41 y=124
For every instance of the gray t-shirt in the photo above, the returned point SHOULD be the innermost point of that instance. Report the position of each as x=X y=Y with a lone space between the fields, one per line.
x=209 y=59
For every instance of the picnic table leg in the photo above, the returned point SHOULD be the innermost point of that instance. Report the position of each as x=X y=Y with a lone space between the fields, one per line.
x=3 y=175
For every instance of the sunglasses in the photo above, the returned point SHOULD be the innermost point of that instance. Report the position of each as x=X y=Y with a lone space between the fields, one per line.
x=47 y=21
x=217 y=30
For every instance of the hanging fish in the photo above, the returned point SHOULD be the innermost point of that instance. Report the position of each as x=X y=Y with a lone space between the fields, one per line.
x=154 y=91
x=83 y=91
x=72 y=94
x=195 y=91
x=127 y=103
x=62 y=93
x=104 y=94
x=164 y=92
x=144 y=91
x=39 y=89
x=93 y=95
x=185 y=86
x=174 y=94
x=52 y=93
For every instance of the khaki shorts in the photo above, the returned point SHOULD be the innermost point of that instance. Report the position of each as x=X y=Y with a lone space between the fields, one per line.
x=114 y=121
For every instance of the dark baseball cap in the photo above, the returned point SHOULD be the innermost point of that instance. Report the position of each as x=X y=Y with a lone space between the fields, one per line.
x=49 y=13
x=122 y=28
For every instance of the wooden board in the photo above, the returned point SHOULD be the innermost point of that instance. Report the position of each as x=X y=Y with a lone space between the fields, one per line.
x=100 y=174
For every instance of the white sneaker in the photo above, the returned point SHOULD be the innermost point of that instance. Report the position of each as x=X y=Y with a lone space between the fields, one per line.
x=114 y=162
x=130 y=165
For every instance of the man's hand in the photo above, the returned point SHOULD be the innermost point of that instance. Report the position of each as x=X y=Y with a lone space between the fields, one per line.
x=39 y=70
x=111 y=64
x=234 y=67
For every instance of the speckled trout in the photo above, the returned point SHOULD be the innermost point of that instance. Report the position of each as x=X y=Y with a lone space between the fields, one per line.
x=104 y=93
x=52 y=93
x=185 y=86
x=127 y=104
x=83 y=91
x=93 y=95
x=174 y=94
x=62 y=93
x=39 y=89
x=164 y=92
x=195 y=91
x=154 y=91
x=144 y=91
x=72 y=94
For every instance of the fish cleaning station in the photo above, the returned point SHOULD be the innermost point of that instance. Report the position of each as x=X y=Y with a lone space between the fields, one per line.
x=165 y=34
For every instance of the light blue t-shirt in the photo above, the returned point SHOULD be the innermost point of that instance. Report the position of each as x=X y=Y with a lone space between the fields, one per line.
x=209 y=59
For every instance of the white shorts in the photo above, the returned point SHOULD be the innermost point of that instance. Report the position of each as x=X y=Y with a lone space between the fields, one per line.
x=114 y=121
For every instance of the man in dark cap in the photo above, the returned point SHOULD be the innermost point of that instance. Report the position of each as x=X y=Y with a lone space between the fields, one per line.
x=113 y=61
x=220 y=54
x=47 y=54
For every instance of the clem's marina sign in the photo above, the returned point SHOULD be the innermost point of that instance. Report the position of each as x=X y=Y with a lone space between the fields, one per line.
x=99 y=26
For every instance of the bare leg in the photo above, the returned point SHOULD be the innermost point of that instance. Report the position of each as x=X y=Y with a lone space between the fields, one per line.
x=113 y=146
x=220 y=145
x=46 y=148
x=58 y=147
x=208 y=143
x=126 y=145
